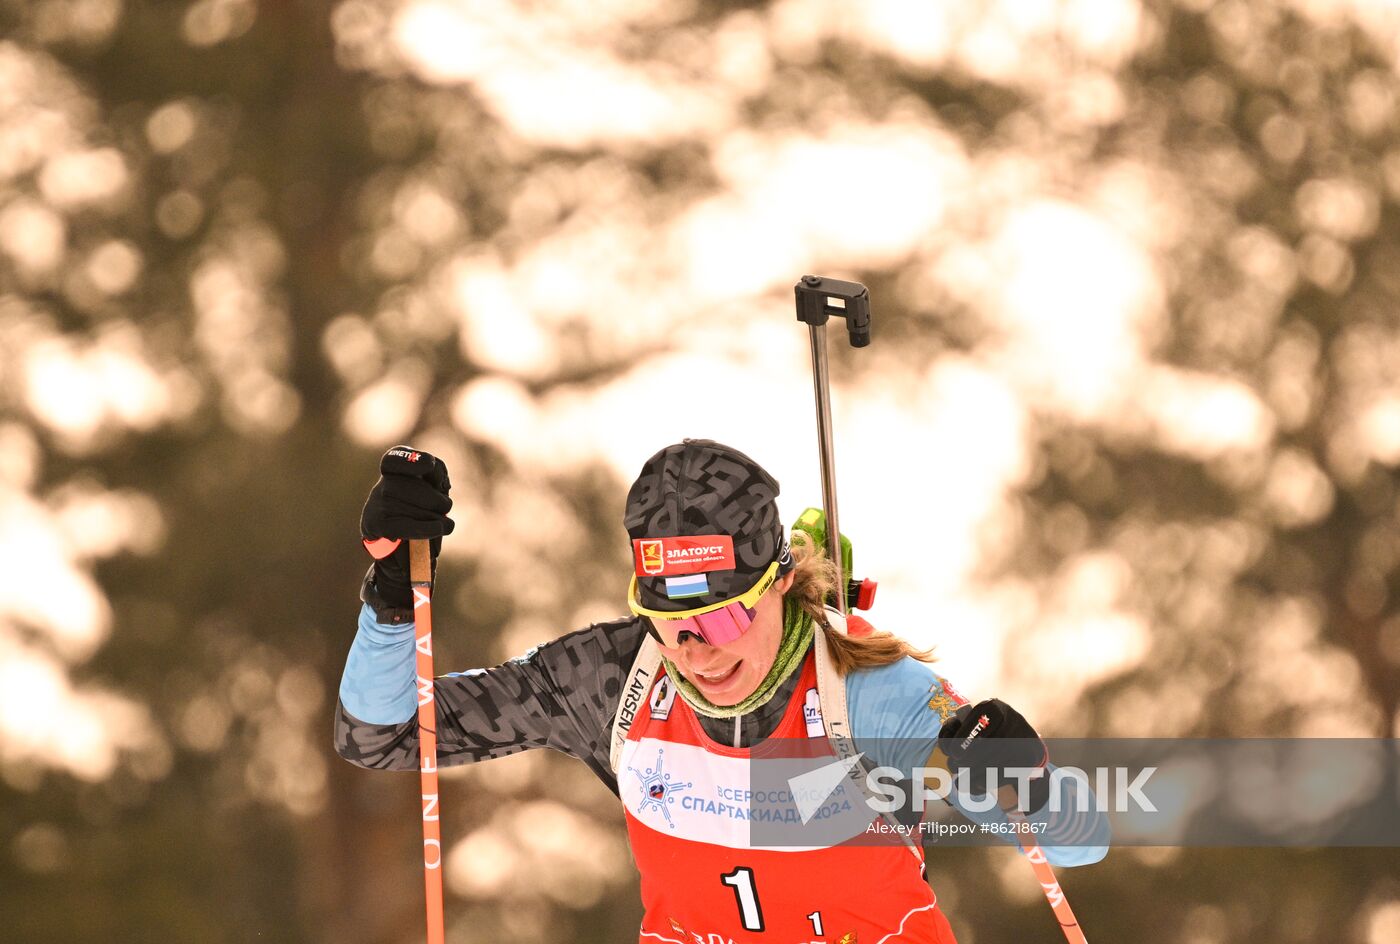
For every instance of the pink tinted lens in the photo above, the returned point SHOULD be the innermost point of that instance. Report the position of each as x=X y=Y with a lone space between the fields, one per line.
x=716 y=627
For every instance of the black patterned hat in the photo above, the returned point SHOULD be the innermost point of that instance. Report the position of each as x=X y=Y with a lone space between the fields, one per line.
x=703 y=519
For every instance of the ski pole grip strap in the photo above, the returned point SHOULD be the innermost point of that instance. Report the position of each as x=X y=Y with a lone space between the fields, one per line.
x=420 y=563
x=384 y=612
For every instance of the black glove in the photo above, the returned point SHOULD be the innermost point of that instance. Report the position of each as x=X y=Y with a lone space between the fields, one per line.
x=993 y=734
x=408 y=502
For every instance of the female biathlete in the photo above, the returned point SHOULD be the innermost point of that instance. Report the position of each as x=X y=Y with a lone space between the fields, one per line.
x=729 y=646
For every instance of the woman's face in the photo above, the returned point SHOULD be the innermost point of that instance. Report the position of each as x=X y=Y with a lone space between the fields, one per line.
x=729 y=673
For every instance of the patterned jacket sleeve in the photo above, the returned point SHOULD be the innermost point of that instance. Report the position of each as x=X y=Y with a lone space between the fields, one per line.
x=561 y=695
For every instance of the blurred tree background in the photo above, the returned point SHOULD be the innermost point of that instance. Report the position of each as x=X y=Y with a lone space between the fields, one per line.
x=1136 y=372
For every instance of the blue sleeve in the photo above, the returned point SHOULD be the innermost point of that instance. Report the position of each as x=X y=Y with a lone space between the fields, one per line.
x=897 y=710
x=377 y=686
x=896 y=713
x=1075 y=832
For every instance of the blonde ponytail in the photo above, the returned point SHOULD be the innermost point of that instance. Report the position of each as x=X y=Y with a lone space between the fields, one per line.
x=813 y=584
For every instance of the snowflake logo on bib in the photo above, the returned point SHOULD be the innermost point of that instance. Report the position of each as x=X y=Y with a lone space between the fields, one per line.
x=657 y=788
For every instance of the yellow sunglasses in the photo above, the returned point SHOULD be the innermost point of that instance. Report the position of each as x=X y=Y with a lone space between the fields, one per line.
x=716 y=623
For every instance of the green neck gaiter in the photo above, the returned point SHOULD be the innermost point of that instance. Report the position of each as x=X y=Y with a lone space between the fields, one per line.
x=797 y=636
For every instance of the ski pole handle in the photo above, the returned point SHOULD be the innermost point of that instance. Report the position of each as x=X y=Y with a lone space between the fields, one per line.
x=420 y=573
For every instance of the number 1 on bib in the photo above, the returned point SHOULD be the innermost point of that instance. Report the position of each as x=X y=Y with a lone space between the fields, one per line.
x=741 y=880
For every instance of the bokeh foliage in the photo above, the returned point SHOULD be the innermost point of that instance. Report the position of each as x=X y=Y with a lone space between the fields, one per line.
x=244 y=246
